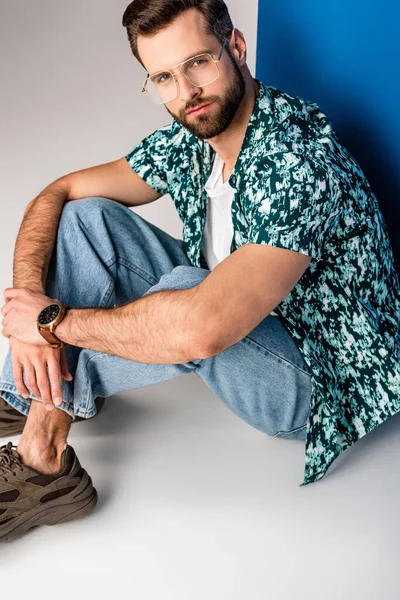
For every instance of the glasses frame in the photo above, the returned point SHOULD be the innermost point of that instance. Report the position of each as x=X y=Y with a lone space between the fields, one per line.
x=216 y=61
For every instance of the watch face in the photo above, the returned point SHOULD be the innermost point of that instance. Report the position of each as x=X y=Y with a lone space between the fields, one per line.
x=49 y=313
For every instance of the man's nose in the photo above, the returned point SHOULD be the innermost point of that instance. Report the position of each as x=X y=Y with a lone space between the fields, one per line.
x=187 y=91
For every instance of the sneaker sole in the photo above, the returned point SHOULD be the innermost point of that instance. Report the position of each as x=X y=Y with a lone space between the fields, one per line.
x=83 y=500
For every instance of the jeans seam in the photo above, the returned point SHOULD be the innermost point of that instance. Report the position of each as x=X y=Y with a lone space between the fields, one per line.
x=119 y=259
x=149 y=278
x=247 y=340
x=291 y=430
x=106 y=296
x=88 y=414
x=143 y=274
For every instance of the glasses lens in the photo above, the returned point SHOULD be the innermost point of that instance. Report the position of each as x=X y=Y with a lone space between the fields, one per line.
x=162 y=87
x=201 y=70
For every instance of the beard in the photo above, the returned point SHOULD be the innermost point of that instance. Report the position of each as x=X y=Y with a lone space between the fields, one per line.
x=207 y=126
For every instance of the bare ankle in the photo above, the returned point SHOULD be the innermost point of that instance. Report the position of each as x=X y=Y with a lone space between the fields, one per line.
x=38 y=453
x=44 y=438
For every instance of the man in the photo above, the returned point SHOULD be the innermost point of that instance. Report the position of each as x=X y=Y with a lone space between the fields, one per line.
x=282 y=295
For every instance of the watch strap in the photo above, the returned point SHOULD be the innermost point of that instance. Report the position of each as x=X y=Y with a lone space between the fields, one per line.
x=50 y=338
x=48 y=333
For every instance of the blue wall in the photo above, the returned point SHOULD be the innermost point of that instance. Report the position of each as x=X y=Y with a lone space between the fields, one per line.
x=345 y=56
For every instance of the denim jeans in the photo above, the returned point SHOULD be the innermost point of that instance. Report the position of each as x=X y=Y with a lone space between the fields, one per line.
x=105 y=255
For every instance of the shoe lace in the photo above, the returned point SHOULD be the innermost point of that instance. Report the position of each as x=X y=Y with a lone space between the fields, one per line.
x=9 y=460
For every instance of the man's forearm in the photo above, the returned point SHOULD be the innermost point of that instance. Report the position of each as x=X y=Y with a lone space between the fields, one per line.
x=160 y=328
x=36 y=237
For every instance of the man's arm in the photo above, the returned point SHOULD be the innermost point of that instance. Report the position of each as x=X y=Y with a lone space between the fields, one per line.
x=42 y=366
x=159 y=328
x=36 y=236
x=244 y=288
x=38 y=230
x=176 y=326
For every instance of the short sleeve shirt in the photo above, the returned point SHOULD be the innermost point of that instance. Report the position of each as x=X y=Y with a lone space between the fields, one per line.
x=297 y=187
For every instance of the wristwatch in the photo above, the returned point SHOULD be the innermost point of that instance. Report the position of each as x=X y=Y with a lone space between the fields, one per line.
x=47 y=321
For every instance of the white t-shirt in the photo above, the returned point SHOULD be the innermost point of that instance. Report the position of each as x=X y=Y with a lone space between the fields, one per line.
x=218 y=231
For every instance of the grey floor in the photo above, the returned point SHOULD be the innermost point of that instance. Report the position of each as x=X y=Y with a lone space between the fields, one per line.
x=194 y=503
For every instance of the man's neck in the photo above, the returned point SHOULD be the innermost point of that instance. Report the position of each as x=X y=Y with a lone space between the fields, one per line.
x=228 y=144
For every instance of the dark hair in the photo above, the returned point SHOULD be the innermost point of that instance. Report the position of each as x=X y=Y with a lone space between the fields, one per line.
x=148 y=17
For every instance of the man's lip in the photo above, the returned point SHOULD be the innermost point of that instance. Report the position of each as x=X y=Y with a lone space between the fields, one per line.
x=198 y=108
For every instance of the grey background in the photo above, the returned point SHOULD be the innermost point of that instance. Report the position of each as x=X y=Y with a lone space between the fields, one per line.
x=194 y=503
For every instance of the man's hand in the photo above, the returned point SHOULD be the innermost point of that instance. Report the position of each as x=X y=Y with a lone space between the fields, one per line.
x=44 y=368
x=20 y=314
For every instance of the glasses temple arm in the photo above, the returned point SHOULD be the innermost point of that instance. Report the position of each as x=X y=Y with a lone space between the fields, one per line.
x=222 y=49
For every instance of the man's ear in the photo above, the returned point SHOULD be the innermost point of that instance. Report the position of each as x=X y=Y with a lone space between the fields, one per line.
x=238 y=46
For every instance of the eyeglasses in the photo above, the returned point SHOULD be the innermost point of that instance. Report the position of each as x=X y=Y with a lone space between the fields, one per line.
x=200 y=70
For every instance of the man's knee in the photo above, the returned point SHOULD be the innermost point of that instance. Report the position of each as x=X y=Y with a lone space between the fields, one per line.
x=180 y=278
x=87 y=208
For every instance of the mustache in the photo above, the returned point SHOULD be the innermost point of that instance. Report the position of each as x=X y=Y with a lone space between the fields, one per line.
x=200 y=103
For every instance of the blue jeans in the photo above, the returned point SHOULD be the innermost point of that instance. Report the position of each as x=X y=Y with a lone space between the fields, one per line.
x=106 y=255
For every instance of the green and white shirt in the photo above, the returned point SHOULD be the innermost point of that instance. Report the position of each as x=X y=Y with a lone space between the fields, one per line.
x=297 y=187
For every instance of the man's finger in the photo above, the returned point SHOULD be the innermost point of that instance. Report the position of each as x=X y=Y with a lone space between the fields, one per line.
x=10 y=293
x=64 y=365
x=5 y=332
x=30 y=377
x=4 y=309
x=19 y=380
x=55 y=381
x=42 y=379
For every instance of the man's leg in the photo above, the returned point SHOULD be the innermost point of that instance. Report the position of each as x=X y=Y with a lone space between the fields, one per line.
x=264 y=380
x=105 y=255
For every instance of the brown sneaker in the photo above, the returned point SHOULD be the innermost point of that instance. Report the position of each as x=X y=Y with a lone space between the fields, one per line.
x=12 y=421
x=29 y=498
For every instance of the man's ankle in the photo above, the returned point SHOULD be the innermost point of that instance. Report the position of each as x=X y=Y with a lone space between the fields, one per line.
x=41 y=455
x=44 y=438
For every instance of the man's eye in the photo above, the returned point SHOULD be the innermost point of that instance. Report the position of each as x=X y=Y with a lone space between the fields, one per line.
x=163 y=78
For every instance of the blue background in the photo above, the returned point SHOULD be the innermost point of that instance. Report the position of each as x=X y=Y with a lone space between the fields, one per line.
x=344 y=56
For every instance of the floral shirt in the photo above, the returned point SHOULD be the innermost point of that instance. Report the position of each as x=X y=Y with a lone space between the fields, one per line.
x=297 y=187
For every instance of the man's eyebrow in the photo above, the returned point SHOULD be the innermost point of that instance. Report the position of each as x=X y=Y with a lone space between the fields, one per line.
x=208 y=51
